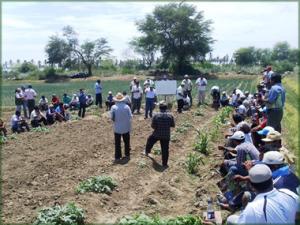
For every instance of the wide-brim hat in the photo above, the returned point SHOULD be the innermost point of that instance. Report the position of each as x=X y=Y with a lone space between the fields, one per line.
x=272 y=136
x=119 y=97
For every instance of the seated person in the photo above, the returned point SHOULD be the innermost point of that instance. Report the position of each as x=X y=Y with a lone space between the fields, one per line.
x=109 y=102
x=215 y=93
x=50 y=115
x=186 y=101
x=89 y=100
x=55 y=100
x=241 y=109
x=3 y=128
x=43 y=103
x=37 y=117
x=60 y=112
x=18 y=123
x=224 y=99
x=127 y=98
x=67 y=113
x=66 y=99
x=74 y=104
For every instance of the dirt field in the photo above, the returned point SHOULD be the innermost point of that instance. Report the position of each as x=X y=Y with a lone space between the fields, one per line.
x=41 y=169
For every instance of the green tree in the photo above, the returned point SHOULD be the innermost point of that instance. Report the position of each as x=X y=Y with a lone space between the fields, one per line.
x=245 y=56
x=179 y=32
x=57 y=50
x=294 y=56
x=281 y=51
x=26 y=67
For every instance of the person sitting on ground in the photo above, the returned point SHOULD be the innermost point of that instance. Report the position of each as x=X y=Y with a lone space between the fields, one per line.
x=3 y=130
x=66 y=99
x=60 y=112
x=109 y=101
x=55 y=100
x=270 y=206
x=186 y=101
x=245 y=128
x=43 y=103
x=18 y=123
x=224 y=99
x=161 y=123
x=50 y=115
x=215 y=93
x=89 y=100
x=241 y=109
x=74 y=104
x=127 y=98
x=37 y=117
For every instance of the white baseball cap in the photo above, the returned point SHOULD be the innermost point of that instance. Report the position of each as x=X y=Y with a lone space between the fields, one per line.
x=238 y=135
x=273 y=158
x=260 y=173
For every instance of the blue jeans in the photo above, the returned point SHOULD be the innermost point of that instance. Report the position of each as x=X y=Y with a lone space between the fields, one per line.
x=149 y=107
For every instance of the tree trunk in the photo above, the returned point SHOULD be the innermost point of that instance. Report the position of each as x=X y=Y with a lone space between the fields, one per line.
x=89 y=67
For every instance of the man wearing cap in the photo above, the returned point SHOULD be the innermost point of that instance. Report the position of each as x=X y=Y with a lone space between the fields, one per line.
x=275 y=102
x=98 y=92
x=148 y=83
x=121 y=116
x=82 y=103
x=188 y=85
x=270 y=206
x=201 y=83
x=179 y=97
x=161 y=123
x=150 y=100
x=224 y=99
x=215 y=93
x=109 y=101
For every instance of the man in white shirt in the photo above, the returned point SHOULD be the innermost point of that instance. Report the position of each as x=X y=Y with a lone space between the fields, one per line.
x=270 y=206
x=188 y=87
x=30 y=94
x=98 y=92
x=18 y=123
x=201 y=83
x=148 y=83
x=179 y=97
x=150 y=100
x=137 y=94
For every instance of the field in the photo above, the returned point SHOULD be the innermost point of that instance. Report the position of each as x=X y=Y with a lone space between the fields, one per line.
x=41 y=169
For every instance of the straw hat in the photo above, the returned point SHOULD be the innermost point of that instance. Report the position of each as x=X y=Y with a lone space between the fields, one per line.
x=119 y=97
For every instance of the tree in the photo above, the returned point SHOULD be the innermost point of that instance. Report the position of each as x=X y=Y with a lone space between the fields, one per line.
x=57 y=50
x=245 y=56
x=294 y=56
x=281 y=51
x=179 y=32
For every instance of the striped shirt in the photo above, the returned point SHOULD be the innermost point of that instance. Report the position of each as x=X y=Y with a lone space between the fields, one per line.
x=245 y=150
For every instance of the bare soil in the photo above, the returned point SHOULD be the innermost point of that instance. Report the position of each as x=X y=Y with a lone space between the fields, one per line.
x=42 y=169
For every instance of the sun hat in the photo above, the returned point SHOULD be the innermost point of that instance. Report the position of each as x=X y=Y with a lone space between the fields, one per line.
x=186 y=76
x=238 y=135
x=272 y=136
x=273 y=158
x=265 y=131
x=119 y=97
x=260 y=173
x=224 y=92
x=109 y=92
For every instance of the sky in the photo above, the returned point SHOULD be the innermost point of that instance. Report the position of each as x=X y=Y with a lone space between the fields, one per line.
x=27 y=26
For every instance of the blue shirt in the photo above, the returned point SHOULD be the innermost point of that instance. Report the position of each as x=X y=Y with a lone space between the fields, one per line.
x=110 y=98
x=121 y=115
x=98 y=88
x=275 y=91
x=82 y=98
x=284 y=178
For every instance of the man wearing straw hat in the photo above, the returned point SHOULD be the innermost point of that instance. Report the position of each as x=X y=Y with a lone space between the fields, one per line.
x=121 y=116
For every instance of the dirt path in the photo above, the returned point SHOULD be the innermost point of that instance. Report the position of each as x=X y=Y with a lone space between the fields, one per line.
x=41 y=169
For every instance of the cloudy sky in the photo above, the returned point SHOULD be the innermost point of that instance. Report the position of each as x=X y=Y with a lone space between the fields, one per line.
x=26 y=26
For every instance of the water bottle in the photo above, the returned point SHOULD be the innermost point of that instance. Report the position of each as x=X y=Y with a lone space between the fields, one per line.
x=210 y=210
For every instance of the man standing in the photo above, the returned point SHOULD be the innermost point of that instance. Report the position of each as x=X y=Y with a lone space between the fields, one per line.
x=161 y=123
x=30 y=97
x=179 y=98
x=275 y=103
x=121 y=116
x=150 y=100
x=201 y=83
x=98 y=91
x=82 y=103
x=137 y=93
x=188 y=87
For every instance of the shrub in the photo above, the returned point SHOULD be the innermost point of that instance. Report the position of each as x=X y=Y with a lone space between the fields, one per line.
x=61 y=215
x=50 y=73
x=192 y=163
x=99 y=184
x=201 y=144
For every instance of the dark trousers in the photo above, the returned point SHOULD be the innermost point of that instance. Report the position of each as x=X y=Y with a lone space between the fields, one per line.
x=99 y=99
x=189 y=93
x=180 y=104
x=20 y=127
x=109 y=105
x=136 y=105
x=30 y=104
x=37 y=123
x=274 y=118
x=164 y=144
x=149 y=107
x=126 y=139
x=81 y=111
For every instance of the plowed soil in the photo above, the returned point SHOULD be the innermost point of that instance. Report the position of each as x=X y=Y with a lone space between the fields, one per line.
x=42 y=169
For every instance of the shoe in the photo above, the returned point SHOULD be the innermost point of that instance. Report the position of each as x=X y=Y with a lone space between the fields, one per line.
x=126 y=157
x=116 y=161
x=165 y=166
x=145 y=153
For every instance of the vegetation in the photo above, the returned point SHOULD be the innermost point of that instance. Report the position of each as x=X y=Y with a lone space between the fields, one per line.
x=40 y=129
x=68 y=214
x=99 y=184
x=192 y=162
x=202 y=143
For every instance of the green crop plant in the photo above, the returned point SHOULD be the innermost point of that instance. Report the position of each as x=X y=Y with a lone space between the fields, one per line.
x=68 y=214
x=174 y=138
x=198 y=112
x=181 y=129
x=2 y=139
x=192 y=162
x=40 y=129
x=156 y=151
x=98 y=184
x=202 y=143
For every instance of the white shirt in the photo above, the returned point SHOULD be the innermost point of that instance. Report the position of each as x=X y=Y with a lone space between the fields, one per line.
x=280 y=208
x=148 y=83
x=98 y=88
x=43 y=101
x=179 y=93
x=201 y=84
x=136 y=92
x=187 y=100
x=149 y=93
x=14 y=120
x=187 y=84
x=30 y=94
x=35 y=115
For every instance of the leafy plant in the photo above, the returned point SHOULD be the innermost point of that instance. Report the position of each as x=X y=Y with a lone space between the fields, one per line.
x=198 y=112
x=201 y=144
x=40 y=129
x=98 y=184
x=192 y=163
x=174 y=138
x=156 y=151
x=68 y=214
x=2 y=139
x=181 y=129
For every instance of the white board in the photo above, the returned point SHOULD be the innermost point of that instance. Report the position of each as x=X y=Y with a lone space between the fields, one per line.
x=166 y=87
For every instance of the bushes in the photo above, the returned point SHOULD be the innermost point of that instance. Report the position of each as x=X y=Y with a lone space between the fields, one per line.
x=99 y=184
